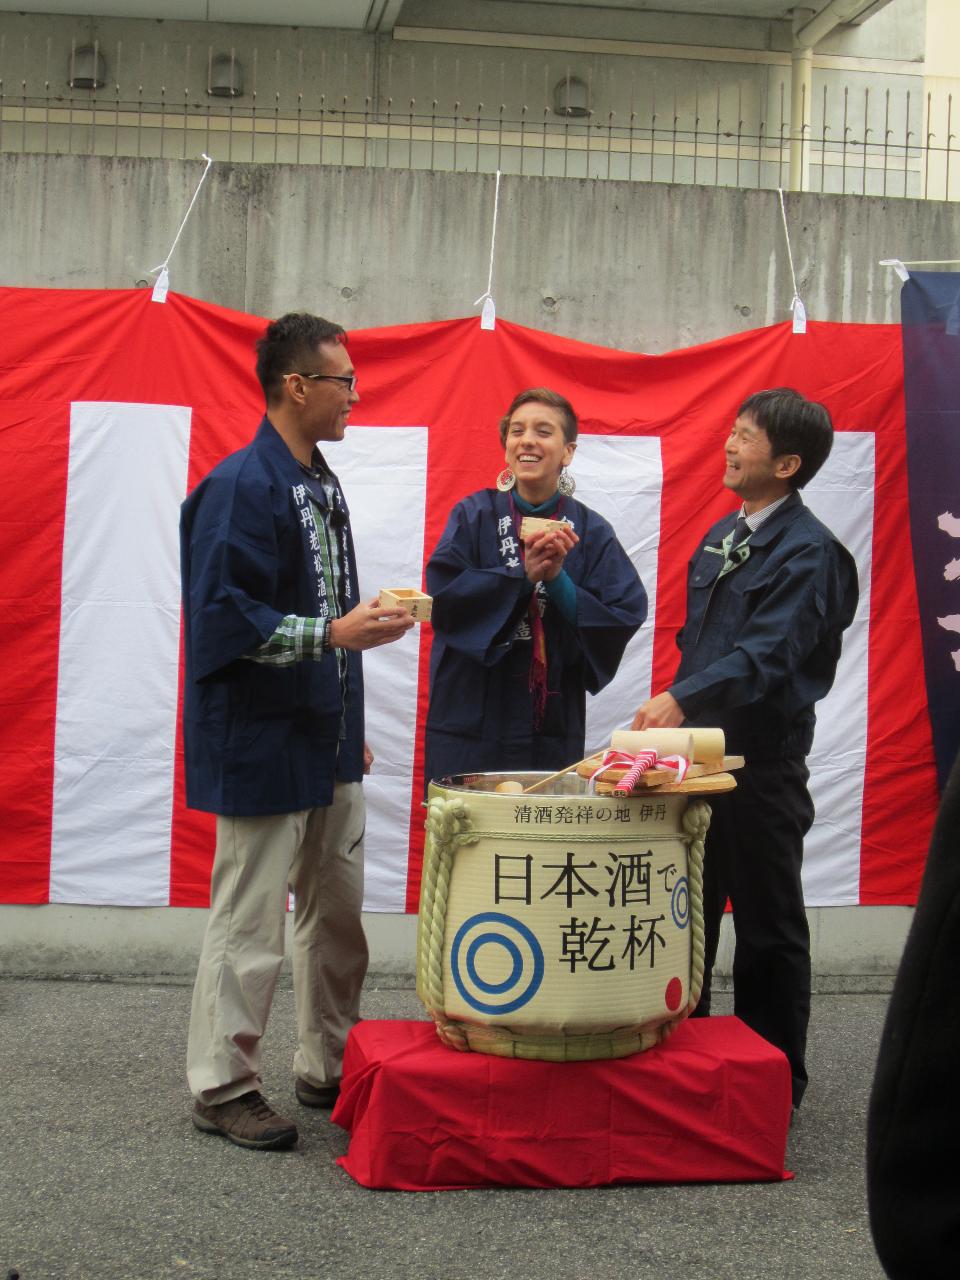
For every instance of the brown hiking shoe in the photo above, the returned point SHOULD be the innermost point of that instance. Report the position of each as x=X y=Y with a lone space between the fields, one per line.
x=316 y=1095
x=249 y=1121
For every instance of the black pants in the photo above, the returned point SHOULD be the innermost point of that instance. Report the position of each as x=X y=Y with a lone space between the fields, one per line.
x=754 y=852
x=913 y=1125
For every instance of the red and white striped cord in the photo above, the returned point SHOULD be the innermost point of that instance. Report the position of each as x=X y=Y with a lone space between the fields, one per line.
x=636 y=765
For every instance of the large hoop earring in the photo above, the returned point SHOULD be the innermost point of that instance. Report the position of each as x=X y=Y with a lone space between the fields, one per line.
x=506 y=480
x=566 y=484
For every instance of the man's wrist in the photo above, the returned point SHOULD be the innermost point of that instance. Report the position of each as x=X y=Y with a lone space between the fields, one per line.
x=673 y=692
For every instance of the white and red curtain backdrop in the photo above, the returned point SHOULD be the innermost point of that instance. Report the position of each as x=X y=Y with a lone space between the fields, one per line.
x=112 y=407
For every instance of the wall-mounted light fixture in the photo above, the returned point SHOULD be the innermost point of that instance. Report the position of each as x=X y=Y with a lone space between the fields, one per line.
x=225 y=76
x=571 y=97
x=87 y=69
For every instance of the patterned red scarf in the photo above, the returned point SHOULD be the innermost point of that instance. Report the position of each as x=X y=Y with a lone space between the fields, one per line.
x=537 y=676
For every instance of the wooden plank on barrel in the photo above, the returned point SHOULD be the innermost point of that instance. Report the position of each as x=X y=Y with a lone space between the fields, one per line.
x=653 y=777
x=700 y=746
x=693 y=786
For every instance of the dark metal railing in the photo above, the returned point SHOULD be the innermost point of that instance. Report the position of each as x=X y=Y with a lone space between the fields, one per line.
x=859 y=141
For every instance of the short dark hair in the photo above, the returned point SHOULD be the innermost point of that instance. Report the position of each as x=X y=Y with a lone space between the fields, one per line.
x=287 y=343
x=553 y=400
x=793 y=425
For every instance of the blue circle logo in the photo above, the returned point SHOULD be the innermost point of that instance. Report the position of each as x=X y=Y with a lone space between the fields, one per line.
x=680 y=903
x=474 y=942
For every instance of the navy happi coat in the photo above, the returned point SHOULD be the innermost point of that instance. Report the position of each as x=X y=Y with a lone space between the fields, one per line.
x=481 y=715
x=262 y=739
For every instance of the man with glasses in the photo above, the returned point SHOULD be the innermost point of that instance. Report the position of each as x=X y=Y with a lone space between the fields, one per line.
x=273 y=736
x=770 y=591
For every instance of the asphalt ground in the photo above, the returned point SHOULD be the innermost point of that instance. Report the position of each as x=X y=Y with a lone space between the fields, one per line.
x=104 y=1176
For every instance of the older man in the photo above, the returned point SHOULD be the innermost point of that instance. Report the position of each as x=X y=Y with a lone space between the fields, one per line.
x=273 y=736
x=770 y=592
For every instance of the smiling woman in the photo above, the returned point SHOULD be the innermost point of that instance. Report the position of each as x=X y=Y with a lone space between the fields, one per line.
x=539 y=442
x=534 y=601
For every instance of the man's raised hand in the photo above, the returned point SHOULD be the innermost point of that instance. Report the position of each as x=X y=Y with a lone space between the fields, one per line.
x=369 y=625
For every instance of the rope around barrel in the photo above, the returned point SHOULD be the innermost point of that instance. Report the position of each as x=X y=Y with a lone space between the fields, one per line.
x=696 y=821
x=448 y=827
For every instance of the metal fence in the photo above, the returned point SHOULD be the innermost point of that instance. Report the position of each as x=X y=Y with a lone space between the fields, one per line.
x=860 y=140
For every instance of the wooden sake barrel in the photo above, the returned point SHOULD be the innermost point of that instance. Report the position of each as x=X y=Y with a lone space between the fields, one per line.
x=559 y=925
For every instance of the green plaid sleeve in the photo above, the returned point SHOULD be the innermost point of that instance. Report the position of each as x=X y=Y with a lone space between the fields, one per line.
x=295 y=639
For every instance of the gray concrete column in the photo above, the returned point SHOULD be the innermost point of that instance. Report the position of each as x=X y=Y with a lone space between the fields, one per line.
x=801 y=103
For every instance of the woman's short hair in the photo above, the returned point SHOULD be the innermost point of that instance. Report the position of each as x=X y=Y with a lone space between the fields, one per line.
x=553 y=400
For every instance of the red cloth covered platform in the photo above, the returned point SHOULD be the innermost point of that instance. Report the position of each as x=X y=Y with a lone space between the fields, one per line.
x=710 y=1105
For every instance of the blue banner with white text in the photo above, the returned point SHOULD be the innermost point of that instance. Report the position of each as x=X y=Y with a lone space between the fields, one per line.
x=930 y=316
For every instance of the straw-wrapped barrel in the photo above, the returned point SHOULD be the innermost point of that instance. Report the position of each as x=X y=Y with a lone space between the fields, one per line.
x=559 y=925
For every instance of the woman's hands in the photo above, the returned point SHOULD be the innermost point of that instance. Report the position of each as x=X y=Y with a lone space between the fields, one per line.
x=544 y=552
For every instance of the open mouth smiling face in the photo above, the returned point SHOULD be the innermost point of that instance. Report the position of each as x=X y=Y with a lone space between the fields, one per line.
x=536 y=450
x=751 y=469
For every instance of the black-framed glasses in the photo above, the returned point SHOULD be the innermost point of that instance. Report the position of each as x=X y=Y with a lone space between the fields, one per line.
x=349 y=380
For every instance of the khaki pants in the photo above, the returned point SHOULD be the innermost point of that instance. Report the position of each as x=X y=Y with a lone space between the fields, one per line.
x=319 y=854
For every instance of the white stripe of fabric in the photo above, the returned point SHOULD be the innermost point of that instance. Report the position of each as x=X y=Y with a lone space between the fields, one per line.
x=621 y=477
x=119 y=653
x=842 y=495
x=384 y=475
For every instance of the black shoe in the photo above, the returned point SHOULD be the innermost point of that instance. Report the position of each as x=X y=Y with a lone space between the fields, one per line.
x=316 y=1095
x=249 y=1121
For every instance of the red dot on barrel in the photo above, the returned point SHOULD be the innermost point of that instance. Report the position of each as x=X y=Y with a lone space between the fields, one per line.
x=673 y=994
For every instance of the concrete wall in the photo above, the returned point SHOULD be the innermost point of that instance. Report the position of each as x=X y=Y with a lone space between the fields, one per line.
x=636 y=266
x=852 y=948
x=643 y=267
